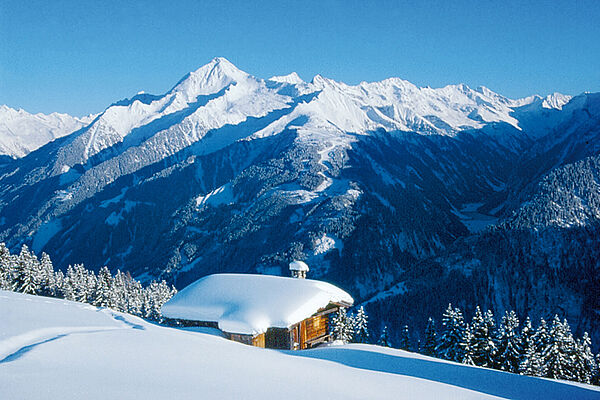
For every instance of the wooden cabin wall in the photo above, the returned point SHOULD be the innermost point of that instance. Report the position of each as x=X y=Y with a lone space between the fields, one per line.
x=259 y=340
x=245 y=339
x=303 y=335
x=277 y=338
x=314 y=330
x=190 y=323
x=316 y=327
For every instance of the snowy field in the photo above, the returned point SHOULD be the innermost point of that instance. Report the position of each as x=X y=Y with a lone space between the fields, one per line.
x=51 y=348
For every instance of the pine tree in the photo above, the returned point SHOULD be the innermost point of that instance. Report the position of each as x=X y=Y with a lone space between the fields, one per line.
x=531 y=362
x=81 y=287
x=527 y=335
x=7 y=269
x=27 y=272
x=68 y=284
x=59 y=285
x=361 y=329
x=556 y=356
x=467 y=346
x=47 y=285
x=102 y=292
x=449 y=344
x=541 y=339
x=430 y=342
x=509 y=344
x=596 y=376
x=384 y=338
x=118 y=294
x=161 y=293
x=484 y=346
x=135 y=298
x=584 y=363
x=404 y=339
x=341 y=326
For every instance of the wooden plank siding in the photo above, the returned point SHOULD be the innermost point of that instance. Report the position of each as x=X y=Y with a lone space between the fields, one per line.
x=303 y=335
x=245 y=339
x=259 y=340
x=316 y=327
x=311 y=331
x=278 y=338
x=190 y=323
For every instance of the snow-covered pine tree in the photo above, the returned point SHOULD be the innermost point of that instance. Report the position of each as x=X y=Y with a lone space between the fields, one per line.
x=451 y=334
x=102 y=292
x=571 y=350
x=584 y=363
x=430 y=341
x=59 y=284
x=541 y=338
x=92 y=282
x=47 y=276
x=27 y=272
x=118 y=295
x=341 y=326
x=69 y=283
x=484 y=346
x=163 y=293
x=361 y=328
x=135 y=298
x=467 y=346
x=509 y=351
x=78 y=278
x=557 y=355
x=531 y=362
x=404 y=338
x=596 y=377
x=7 y=269
x=384 y=338
x=527 y=335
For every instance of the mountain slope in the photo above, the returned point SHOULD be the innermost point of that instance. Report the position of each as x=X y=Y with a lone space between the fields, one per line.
x=74 y=350
x=370 y=184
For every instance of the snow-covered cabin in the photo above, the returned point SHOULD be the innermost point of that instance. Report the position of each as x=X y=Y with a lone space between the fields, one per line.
x=261 y=310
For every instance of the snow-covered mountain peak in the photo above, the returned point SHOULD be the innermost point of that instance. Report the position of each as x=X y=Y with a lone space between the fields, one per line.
x=22 y=132
x=556 y=100
x=320 y=82
x=292 y=79
x=397 y=104
x=209 y=79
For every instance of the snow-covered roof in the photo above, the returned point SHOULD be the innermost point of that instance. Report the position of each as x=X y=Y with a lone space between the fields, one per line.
x=298 y=266
x=250 y=304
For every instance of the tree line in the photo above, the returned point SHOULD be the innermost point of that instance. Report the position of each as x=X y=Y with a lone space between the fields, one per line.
x=550 y=350
x=26 y=273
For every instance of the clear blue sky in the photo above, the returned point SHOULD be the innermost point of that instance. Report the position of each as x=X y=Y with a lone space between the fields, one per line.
x=80 y=56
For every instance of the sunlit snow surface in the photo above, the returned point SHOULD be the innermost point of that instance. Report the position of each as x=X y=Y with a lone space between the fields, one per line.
x=52 y=348
x=22 y=132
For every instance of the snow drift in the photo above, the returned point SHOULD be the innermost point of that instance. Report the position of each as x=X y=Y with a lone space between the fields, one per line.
x=94 y=353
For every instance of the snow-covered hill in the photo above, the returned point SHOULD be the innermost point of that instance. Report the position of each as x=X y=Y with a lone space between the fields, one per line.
x=377 y=186
x=52 y=348
x=22 y=132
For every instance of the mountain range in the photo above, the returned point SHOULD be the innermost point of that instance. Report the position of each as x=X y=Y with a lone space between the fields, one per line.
x=407 y=197
x=22 y=132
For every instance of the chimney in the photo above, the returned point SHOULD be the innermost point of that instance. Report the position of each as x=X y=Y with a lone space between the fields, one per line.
x=298 y=269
